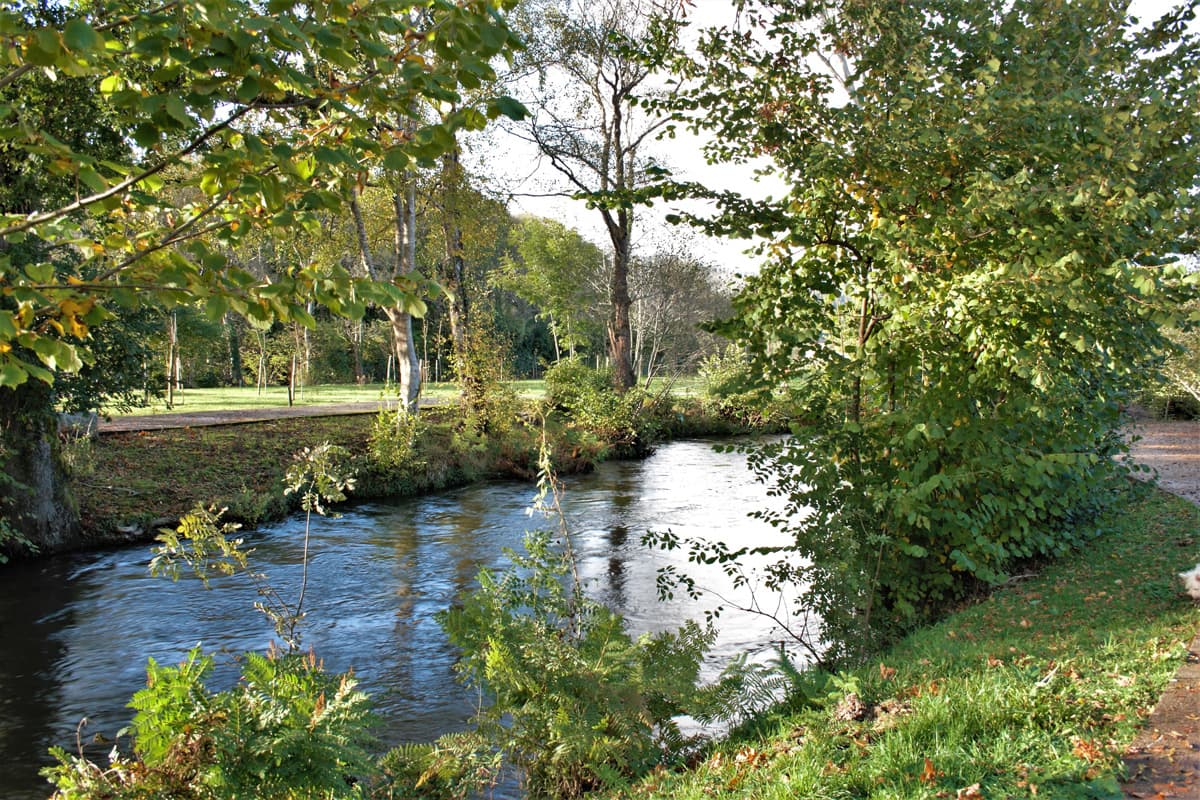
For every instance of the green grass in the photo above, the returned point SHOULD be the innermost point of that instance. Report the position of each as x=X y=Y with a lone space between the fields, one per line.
x=1034 y=692
x=228 y=398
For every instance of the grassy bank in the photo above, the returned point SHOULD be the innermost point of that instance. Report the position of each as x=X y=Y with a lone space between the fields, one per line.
x=130 y=484
x=1033 y=692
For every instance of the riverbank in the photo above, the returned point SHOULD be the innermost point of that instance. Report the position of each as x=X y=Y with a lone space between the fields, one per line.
x=1037 y=691
x=131 y=483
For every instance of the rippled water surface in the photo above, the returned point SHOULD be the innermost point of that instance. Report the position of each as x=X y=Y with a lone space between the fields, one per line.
x=75 y=631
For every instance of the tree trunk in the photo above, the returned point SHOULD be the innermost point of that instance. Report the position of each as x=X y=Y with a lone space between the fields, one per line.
x=235 y=351
x=172 y=356
x=619 y=334
x=35 y=499
x=356 y=334
x=407 y=364
x=458 y=305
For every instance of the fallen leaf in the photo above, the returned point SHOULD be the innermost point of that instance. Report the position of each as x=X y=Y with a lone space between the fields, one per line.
x=971 y=792
x=930 y=774
x=886 y=672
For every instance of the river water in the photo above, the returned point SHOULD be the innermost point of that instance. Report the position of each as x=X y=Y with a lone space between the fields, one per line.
x=75 y=631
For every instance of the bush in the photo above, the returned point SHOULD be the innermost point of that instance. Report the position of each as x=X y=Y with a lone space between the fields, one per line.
x=731 y=390
x=625 y=422
x=287 y=730
x=570 y=383
x=571 y=699
x=391 y=444
x=489 y=402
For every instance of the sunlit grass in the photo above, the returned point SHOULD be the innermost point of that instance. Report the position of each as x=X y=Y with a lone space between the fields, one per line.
x=1033 y=692
x=227 y=398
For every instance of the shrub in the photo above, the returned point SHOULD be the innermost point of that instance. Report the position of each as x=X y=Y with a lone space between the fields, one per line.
x=731 y=390
x=626 y=421
x=572 y=700
x=489 y=402
x=391 y=444
x=287 y=730
x=570 y=383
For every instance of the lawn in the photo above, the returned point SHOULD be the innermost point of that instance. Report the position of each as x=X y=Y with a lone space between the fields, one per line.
x=227 y=398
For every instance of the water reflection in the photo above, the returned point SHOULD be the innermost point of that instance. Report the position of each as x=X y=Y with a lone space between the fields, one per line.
x=77 y=630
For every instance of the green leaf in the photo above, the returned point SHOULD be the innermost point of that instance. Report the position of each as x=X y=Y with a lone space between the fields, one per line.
x=93 y=179
x=80 y=36
x=397 y=160
x=508 y=107
x=56 y=354
x=12 y=373
x=178 y=111
x=249 y=90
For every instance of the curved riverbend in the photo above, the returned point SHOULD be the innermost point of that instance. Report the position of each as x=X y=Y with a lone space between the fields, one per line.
x=77 y=629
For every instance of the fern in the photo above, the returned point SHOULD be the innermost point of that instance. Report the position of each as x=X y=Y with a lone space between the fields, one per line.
x=287 y=731
x=570 y=698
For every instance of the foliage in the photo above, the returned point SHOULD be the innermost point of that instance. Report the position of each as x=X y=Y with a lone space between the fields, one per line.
x=964 y=283
x=392 y=442
x=455 y=767
x=571 y=698
x=265 y=113
x=11 y=538
x=1036 y=691
x=489 y=402
x=730 y=386
x=570 y=382
x=555 y=269
x=287 y=731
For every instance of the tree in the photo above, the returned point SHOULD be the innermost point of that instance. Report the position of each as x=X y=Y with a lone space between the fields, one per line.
x=674 y=294
x=263 y=112
x=591 y=129
x=556 y=270
x=964 y=282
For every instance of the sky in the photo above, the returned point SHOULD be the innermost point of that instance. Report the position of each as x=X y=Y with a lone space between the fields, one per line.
x=518 y=167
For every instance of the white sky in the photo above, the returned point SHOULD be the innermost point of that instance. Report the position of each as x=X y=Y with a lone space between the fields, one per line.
x=517 y=165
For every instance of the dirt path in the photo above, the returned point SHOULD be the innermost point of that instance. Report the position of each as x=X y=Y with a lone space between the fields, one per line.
x=1164 y=760
x=1173 y=449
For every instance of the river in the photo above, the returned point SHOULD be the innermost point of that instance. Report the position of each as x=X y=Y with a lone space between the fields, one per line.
x=76 y=630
